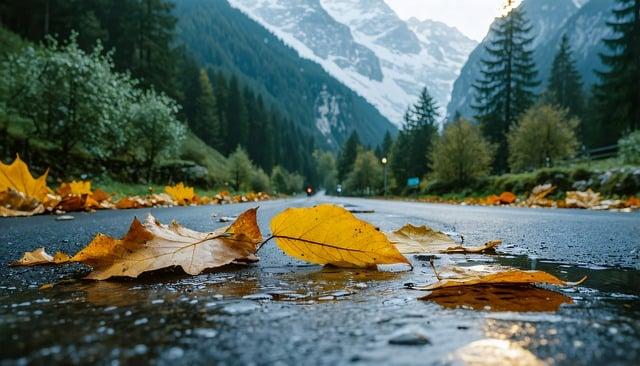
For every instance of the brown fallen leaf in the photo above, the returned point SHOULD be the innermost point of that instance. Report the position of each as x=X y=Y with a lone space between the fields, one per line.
x=411 y=239
x=132 y=202
x=152 y=245
x=329 y=234
x=499 y=276
x=14 y=203
x=39 y=257
x=507 y=198
x=499 y=298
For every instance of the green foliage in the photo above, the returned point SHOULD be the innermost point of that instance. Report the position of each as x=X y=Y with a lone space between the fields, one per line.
x=461 y=154
x=410 y=154
x=505 y=90
x=326 y=169
x=617 y=97
x=366 y=175
x=284 y=182
x=260 y=181
x=205 y=122
x=347 y=156
x=543 y=135
x=240 y=169
x=629 y=148
x=565 y=84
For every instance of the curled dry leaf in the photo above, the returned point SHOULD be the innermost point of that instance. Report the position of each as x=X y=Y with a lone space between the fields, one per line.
x=39 y=257
x=411 y=239
x=17 y=177
x=329 y=234
x=495 y=276
x=538 y=196
x=152 y=245
x=499 y=298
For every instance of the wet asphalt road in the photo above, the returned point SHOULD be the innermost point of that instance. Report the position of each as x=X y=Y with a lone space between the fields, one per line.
x=284 y=312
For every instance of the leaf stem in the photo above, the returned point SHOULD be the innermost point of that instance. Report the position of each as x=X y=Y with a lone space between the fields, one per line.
x=264 y=242
x=434 y=269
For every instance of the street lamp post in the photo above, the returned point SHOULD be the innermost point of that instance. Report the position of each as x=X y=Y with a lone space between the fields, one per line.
x=384 y=164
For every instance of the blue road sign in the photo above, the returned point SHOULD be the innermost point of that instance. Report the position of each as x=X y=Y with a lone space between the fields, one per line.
x=413 y=182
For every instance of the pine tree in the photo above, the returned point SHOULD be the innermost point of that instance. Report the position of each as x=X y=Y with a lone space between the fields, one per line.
x=565 y=84
x=618 y=94
x=348 y=156
x=237 y=116
x=505 y=89
x=422 y=128
x=205 y=123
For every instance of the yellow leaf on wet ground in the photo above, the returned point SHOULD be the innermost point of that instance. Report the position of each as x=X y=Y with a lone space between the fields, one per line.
x=411 y=239
x=16 y=176
x=329 y=234
x=180 y=193
x=39 y=257
x=494 y=276
x=152 y=245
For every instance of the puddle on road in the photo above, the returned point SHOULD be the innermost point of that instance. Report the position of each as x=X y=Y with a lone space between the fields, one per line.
x=161 y=317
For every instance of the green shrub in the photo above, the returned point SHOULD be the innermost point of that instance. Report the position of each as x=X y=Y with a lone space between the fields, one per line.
x=629 y=148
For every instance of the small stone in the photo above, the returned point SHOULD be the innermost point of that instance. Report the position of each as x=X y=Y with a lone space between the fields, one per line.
x=410 y=336
x=258 y=297
x=64 y=218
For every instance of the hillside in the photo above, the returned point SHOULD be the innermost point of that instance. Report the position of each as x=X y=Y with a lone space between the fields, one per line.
x=225 y=39
x=365 y=45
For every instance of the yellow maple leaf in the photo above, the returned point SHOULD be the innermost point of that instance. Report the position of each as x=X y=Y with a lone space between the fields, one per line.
x=17 y=177
x=180 y=193
x=328 y=234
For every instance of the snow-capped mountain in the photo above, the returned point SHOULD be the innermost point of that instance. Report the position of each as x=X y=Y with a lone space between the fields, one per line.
x=365 y=45
x=583 y=21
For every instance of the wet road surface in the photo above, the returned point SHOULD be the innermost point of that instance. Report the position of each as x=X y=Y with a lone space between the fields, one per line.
x=284 y=312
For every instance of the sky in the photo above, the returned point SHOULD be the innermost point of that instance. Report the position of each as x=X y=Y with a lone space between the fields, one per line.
x=471 y=17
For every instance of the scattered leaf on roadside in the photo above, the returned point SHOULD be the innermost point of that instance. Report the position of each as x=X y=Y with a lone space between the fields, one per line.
x=75 y=187
x=472 y=276
x=488 y=247
x=499 y=298
x=578 y=199
x=132 y=202
x=538 y=196
x=180 y=193
x=507 y=198
x=411 y=239
x=633 y=202
x=17 y=177
x=152 y=245
x=328 y=234
x=39 y=257
x=14 y=203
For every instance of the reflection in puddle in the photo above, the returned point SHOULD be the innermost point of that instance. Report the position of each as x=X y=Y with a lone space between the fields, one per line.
x=499 y=298
x=495 y=352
